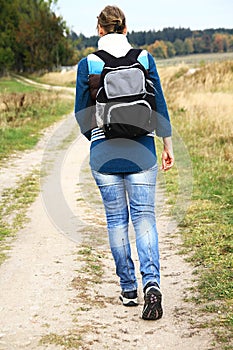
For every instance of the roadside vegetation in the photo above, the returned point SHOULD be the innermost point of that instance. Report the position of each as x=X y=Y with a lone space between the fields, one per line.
x=25 y=112
x=13 y=209
x=200 y=102
x=66 y=78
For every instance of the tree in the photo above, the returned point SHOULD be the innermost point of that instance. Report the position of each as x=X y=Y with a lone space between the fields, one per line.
x=179 y=47
x=188 y=46
x=8 y=25
x=230 y=42
x=197 y=41
x=32 y=37
x=198 y=45
x=6 y=59
x=170 y=49
x=149 y=37
x=158 y=49
x=207 y=43
x=218 y=43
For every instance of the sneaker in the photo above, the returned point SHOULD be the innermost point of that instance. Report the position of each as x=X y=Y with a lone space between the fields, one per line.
x=152 y=309
x=129 y=298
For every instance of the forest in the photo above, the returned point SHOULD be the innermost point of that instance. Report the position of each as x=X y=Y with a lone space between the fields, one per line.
x=34 y=39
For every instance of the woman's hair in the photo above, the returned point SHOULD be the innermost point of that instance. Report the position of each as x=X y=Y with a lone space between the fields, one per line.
x=112 y=19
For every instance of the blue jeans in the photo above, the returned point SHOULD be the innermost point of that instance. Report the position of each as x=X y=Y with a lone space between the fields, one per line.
x=134 y=192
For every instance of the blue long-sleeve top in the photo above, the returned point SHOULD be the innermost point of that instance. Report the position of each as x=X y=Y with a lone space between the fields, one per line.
x=119 y=155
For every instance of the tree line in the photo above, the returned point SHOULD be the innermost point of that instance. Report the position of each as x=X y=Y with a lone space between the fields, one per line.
x=32 y=37
x=168 y=42
x=197 y=43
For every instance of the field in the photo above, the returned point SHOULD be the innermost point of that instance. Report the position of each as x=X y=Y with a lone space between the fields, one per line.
x=195 y=60
x=200 y=103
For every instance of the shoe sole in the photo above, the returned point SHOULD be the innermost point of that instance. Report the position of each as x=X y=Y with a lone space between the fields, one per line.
x=152 y=309
x=129 y=302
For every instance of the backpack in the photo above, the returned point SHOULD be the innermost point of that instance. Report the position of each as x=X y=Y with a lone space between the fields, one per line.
x=125 y=100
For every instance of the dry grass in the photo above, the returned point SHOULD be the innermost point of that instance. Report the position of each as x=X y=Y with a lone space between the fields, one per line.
x=217 y=76
x=201 y=108
x=24 y=113
x=204 y=98
x=59 y=78
x=18 y=108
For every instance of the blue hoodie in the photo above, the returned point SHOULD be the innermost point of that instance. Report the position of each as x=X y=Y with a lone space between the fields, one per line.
x=118 y=155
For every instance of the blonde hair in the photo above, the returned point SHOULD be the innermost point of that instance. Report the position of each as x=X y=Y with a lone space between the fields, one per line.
x=112 y=19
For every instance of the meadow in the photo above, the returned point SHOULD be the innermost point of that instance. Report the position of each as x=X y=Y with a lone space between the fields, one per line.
x=201 y=108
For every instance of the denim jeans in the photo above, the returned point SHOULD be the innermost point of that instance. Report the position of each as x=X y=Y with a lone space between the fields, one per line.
x=132 y=193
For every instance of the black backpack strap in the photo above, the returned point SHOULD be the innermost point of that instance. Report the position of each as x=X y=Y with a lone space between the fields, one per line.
x=104 y=55
x=133 y=53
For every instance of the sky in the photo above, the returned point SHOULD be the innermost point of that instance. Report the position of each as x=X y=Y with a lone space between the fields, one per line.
x=80 y=15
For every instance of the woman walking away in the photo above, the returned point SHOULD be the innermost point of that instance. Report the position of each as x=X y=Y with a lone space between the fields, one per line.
x=125 y=168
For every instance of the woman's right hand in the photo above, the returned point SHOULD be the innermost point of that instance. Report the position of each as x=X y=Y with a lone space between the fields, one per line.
x=167 y=154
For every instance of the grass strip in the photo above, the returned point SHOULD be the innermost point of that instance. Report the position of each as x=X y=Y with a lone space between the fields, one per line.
x=13 y=208
x=195 y=102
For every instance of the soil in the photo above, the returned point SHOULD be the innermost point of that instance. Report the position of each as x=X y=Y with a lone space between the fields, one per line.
x=50 y=299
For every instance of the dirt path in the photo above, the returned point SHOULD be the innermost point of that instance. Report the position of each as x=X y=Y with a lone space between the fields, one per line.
x=51 y=297
x=44 y=86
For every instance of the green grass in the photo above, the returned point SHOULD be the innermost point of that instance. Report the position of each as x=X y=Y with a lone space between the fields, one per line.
x=10 y=85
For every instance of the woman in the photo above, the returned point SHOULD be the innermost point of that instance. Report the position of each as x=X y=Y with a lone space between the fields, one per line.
x=125 y=169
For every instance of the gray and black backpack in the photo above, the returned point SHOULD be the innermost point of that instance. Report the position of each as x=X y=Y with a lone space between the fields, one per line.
x=125 y=100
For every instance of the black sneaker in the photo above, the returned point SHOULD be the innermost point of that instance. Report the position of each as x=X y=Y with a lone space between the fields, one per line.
x=152 y=309
x=129 y=298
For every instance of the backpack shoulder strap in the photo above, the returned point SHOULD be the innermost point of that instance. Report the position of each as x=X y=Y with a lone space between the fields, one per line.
x=104 y=55
x=133 y=53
